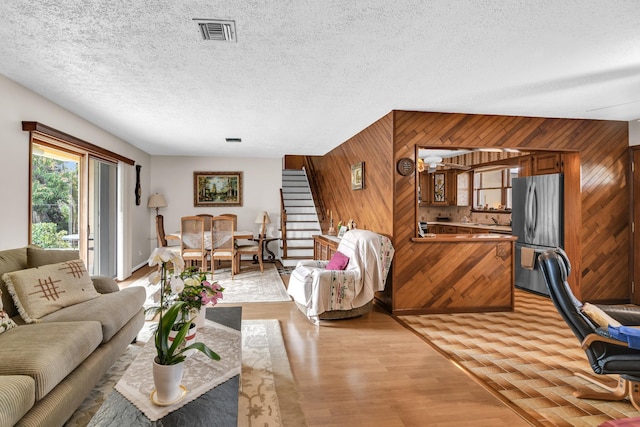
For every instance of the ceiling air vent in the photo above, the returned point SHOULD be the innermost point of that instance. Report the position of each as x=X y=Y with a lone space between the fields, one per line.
x=233 y=140
x=217 y=29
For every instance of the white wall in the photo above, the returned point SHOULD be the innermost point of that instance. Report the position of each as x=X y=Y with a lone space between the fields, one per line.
x=173 y=177
x=18 y=104
x=634 y=132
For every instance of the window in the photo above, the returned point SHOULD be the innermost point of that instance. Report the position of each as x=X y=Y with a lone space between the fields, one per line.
x=492 y=189
x=74 y=197
x=55 y=196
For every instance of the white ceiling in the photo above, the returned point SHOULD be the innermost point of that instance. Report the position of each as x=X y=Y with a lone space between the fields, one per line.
x=306 y=75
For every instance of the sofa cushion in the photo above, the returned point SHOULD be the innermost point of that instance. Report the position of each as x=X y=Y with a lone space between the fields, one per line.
x=43 y=290
x=17 y=396
x=38 y=256
x=112 y=310
x=47 y=352
x=11 y=260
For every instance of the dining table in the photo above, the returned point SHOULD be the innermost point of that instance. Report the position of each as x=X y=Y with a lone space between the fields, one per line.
x=238 y=234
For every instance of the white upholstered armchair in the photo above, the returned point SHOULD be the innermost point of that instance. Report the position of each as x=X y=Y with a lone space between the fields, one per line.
x=322 y=293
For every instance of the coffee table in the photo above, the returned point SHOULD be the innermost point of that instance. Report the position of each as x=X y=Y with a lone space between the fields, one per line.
x=217 y=407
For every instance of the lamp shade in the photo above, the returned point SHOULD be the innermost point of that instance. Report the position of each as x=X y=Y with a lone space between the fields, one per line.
x=263 y=214
x=157 y=201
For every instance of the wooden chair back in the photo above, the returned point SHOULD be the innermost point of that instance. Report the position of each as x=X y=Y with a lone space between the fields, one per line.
x=234 y=217
x=222 y=241
x=207 y=221
x=192 y=240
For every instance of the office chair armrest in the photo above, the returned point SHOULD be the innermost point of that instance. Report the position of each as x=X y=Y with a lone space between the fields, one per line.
x=601 y=335
x=627 y=314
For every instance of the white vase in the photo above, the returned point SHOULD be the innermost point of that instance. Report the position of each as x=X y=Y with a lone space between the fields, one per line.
x=167 y=379
x=200 y=318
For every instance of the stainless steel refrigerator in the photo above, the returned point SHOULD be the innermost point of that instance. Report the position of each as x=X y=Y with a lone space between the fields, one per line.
x=538 y=222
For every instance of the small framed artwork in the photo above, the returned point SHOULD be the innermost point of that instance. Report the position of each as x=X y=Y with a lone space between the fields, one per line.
x=217 y=189
x=341 y=231
x=357 y=176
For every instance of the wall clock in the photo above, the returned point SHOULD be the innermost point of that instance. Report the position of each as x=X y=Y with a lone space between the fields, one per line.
x=406 y=166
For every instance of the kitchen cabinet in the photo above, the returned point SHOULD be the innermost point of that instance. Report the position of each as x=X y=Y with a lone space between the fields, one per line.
x=438 y=188
x=545 y=163
x=541 y=163
x=463 y=188
x=324 y=247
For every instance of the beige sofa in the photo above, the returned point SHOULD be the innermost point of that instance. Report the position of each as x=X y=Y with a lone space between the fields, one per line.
x=47 y=368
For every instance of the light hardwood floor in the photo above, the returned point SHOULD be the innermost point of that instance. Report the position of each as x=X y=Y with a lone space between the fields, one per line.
x=372 y=371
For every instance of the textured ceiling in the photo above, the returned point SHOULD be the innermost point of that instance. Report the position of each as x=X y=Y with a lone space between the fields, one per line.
x=306 y=75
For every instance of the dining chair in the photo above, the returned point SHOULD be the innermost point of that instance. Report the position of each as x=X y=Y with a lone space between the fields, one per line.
x=223 y=242
x=254 y=248
x=207 y=221
x=234 y=217
x=192 y=238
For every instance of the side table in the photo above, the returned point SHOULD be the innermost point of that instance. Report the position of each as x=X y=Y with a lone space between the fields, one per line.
x=217 y=407
x=271 y=257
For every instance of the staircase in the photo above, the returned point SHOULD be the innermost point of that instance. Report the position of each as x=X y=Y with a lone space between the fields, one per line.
x=301 y=221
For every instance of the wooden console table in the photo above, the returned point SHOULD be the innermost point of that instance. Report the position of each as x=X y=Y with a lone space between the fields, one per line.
x=324 y=246
x=217 y=407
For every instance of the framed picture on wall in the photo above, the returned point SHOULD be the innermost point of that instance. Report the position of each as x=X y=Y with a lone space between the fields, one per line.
x=217 y=189
x=357 y=176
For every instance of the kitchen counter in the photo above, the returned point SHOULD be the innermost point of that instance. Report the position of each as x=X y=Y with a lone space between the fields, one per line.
x=489 y=237
x=497 y=228
x=467 y=272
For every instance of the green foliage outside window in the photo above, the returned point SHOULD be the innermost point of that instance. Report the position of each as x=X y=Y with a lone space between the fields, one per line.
x=45 y=235
x=54 y=201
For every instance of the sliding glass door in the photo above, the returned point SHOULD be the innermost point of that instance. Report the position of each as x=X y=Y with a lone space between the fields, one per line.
x=74 y=205
x=102 y=219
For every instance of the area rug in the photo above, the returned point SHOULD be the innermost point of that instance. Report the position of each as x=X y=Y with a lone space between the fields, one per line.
x=526 y=357
x=268 y=396
x=248 y=286
x=251 y=285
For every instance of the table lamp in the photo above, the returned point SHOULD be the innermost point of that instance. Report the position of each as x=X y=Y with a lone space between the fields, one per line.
x=267 y=220
x=157 y=201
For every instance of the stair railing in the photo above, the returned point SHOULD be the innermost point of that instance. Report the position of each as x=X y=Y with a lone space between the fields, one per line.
x=283 y=225
x=312 y=179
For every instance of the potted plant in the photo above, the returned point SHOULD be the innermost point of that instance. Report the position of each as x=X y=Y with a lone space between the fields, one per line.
x=168 y=365
x=193 y=288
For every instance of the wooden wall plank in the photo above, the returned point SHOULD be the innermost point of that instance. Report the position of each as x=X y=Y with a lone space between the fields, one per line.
x=597 y=239
x=599 y=246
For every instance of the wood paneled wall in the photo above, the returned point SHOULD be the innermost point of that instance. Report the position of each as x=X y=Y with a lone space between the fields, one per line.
x=598 y=233
x=601 y=258
x=372 y=207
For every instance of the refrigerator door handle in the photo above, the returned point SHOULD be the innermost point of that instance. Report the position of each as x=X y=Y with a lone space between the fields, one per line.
x=530 y=213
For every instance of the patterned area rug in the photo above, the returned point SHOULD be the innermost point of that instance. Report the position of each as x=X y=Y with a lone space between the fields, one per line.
x=248 y=286
x=251 y=285
x=268 y=396
x=526 y=357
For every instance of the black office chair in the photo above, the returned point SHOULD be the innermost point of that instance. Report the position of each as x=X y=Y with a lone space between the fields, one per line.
x=606 y=354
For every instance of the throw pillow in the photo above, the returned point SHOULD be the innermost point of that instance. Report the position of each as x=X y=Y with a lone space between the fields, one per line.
x=5 y=320
x=339 y=261
x=601 y=318
x=40 y=291
x=38 y=256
